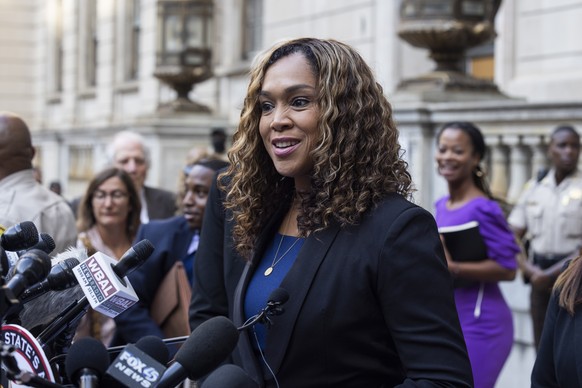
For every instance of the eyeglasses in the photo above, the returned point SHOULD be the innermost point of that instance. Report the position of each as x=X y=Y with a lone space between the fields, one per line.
x=116 y=195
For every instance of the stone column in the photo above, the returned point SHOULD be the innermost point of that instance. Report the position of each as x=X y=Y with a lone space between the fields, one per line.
x=499 y=171
x=519 y=170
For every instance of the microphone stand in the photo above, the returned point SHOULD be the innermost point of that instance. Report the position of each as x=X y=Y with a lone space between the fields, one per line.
x=63 y=321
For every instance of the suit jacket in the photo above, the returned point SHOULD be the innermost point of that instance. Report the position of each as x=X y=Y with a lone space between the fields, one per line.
x=559 y=358
x=171 y=239
x=161 y=203
x=369 y=306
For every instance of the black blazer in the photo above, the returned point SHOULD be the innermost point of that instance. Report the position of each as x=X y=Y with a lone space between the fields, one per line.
x=161 y=203
x=559 y=358
x=171 y=239
x=369 y=306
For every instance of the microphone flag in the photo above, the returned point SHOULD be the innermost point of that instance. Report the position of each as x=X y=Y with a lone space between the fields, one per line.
x=106 y=292
x=135 y=368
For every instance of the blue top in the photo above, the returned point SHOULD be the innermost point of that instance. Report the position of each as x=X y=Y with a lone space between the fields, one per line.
x=261 y=286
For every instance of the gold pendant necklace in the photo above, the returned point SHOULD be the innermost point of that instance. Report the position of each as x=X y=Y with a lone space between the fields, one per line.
x=269 y=270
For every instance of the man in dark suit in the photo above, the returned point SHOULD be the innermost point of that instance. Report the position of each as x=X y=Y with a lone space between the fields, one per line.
x=129 y=152
x=174 y=239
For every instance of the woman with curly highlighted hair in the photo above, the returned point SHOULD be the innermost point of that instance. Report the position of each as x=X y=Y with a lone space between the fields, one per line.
x=315 y=202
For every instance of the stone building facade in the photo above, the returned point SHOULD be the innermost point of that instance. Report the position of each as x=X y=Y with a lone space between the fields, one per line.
x=80 y=70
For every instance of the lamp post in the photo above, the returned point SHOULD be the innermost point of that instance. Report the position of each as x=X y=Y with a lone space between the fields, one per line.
x=448 y=28
x=184 y=50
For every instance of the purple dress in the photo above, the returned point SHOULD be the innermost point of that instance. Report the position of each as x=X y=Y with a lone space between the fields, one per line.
x=485 y=317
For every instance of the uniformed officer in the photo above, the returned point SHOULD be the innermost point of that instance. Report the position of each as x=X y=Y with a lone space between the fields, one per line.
x=550 y=212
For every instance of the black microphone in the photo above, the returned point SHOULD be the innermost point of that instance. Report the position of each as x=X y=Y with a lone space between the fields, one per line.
x=86 y=362
x=154 y=347
x=45 y=243
x=60 y=278
x=207 y=347
x=141 y=364
x=278 y=297
x=19 y=236
x=133 y=258
x=229 y=376
x=9 y=258
x=32 y=267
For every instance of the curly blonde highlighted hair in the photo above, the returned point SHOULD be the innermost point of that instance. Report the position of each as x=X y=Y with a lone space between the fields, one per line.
x=357 y=161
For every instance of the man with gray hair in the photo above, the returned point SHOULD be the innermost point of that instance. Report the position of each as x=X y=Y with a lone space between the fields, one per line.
x=129 y=152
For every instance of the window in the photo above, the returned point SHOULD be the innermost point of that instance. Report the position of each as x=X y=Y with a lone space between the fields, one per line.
x=252 y=28
x=56 y=49
x=480 y=61
x=89 y=43
x=133 y=23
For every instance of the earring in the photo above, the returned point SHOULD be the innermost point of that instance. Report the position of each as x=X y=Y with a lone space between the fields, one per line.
x=478 y=172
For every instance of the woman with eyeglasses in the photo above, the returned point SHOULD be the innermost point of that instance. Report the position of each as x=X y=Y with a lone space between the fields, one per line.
x=108 y=222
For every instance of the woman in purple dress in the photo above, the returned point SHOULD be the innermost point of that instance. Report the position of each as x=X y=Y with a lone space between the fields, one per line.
x=485 y=316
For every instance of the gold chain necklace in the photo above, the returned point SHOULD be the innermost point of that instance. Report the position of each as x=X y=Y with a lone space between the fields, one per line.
x=269 y=270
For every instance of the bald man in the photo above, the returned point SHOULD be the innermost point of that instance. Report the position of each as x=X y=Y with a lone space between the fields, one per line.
x=22 y=198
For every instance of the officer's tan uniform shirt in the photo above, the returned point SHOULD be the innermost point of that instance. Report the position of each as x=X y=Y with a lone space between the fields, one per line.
x=552 y=214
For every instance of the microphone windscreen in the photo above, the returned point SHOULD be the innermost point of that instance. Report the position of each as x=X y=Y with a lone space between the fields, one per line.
x=144 y=248
x=279 y=295
x=86 y=353
x=19 y=236
x=45 y=308
x=229 y=376
x=155 y=348
x=208 y=346
x=133 y=258
x=46 y=243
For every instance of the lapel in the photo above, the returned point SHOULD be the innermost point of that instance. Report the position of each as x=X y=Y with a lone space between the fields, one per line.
x=297 y=283
x=182 y=240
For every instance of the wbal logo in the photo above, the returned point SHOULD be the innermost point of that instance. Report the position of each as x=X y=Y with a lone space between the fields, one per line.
x=102 y=281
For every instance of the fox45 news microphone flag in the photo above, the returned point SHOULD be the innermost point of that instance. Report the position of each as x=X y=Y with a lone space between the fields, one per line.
x=106 y=292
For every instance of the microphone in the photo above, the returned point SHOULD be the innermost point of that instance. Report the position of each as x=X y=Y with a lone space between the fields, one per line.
x=103 y=279
x=19 y=236
x=229 y=376
x=9 y=258
x=86 y=362
x=103 y=289
x=60 y=278
x=45 y=243
x=206 y=347
x=32 y=267
x=133 y=258
x=141 y=364
x=278 y=297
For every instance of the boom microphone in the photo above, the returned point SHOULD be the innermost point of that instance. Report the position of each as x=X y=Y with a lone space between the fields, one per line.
x=60 y=278
x=87 y=362
x=207 y=347
x=19 y=236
